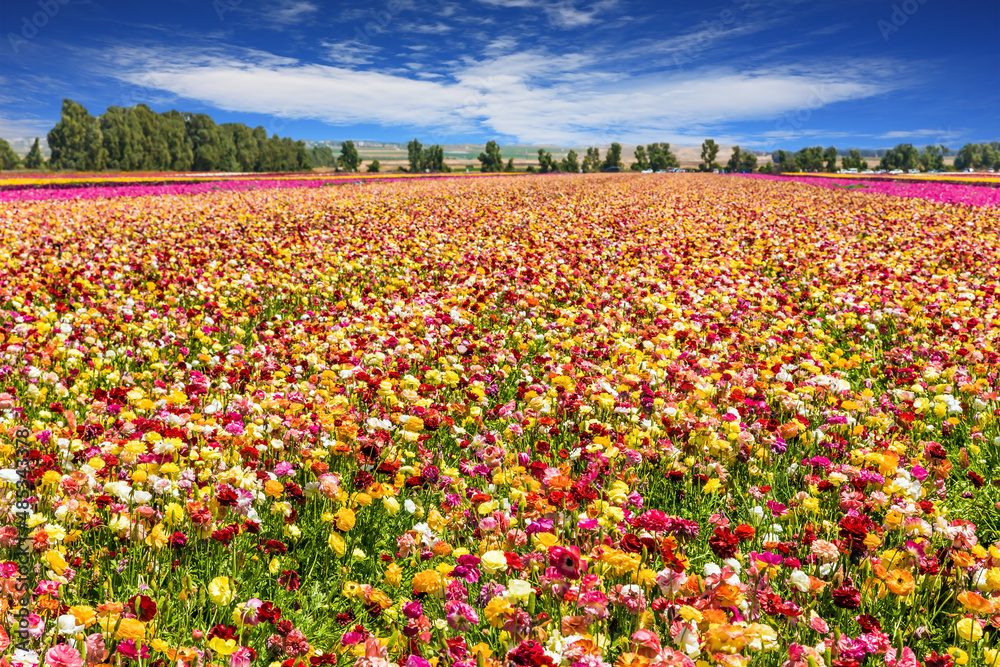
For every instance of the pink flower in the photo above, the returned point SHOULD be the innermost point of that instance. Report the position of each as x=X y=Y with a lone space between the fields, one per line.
x=907 y=659
x=645 y=643
x=241 y=658
x=95 y=649
x=62 y=655
x=566 y=560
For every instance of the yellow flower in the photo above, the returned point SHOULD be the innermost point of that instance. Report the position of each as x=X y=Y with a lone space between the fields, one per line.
x=56 y=561
x=991 y=657
x=393 y=575
x=173 y=513
x=273 y=488
x=338 y=544
x=519 y=590
x=391 y=506
x=495 y=610
x=130 y=628
x=344 y=519
x=221 y=592
x=84 y=615
x=157 y=537
x=223 y=646
x=960 y=656
x=969 y=630
x=428 y=581
x=493 y=562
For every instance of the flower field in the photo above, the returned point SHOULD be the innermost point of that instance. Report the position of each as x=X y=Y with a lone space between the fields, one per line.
x=579 y=421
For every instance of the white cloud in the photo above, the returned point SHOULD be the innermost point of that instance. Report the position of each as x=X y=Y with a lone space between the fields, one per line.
x=350 y=52
x=939 y=134
x=532 y=96
x=563 y=14
x=24 y=128
x=290 y=12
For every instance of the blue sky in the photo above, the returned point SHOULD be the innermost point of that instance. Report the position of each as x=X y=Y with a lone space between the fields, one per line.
x=762 y=73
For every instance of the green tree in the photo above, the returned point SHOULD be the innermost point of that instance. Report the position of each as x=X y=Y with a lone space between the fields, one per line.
x=592 y=161
x=374 y=167
x=782 y=162
x=932 y=158
x=660 y=157
x=34 y=159
x=613 y=159
x=491 y=159
x=830 y=155
x=854 y=160
x=76 y=141
x=8 y=158
x=709 y=149
x=206 y=141
x=641 y=159
x=749 y=162
x=735 y=160
x=414 y=151
x=322 y=156
x=173 y=129
x=903 y=156
x=809 y=159
x=349 y=158
x=978 y=156
x=546 y=163
x=124 y=139
x=510 y=166
x=570 y=163
x=432 y=159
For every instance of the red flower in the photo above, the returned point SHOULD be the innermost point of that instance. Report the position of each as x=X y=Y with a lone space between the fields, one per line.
x=144 y=607
x=724 y=543
x=847 y=597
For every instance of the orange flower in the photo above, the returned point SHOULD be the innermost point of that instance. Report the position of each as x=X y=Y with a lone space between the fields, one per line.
x=976 y=603
x=631 y=660
x=900 y=582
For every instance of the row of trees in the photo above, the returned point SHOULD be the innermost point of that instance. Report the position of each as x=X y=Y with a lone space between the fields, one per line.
x=140 y=139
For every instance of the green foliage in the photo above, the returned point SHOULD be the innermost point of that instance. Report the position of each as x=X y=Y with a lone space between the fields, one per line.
x=322 y=156
x=613 y=159
x=432 y=159
x=809 y=159
x=34 y=159
x=414 y=151
x=932 y=158
x=641 y=159
x=349 y=159
x=546 y=163
x=660 y=157
x=491 y=160
x=783 y=161
x=8 y=158
x=735 y=160
x=510 y=166
x=374 y=167
x=570 y=163
x=709 y=149
x=854 y=160
x=830 y=155
x=76 y=140
x=903 y=156
x=592 y=161
x=978 y=156
x=765 y=168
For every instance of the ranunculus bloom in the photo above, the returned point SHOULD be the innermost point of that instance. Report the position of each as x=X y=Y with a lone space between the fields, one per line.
x=63 y=655
x=566 y=561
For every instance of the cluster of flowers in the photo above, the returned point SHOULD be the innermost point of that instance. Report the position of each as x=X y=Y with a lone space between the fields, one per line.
x=151 y=185
x=952 y=191
x=578 y=422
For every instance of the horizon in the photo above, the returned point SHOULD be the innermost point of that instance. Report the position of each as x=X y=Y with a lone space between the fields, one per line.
x=762 y=74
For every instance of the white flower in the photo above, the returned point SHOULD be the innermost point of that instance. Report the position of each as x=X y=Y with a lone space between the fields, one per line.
x=799 y=580
x=409 y=506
